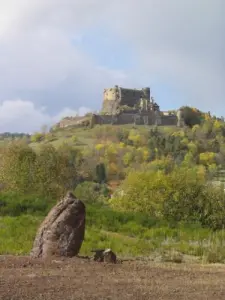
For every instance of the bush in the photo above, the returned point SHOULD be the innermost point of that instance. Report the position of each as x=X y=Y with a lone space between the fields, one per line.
x=181 y=195
x=13 y=204
x=37 y=137
x=91 y=192
x=74 y=139
x=191 y=117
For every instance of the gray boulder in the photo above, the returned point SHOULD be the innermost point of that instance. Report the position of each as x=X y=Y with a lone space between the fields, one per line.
x=62 y=232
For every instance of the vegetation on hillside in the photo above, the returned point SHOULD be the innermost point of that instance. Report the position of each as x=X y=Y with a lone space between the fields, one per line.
x=140 y=184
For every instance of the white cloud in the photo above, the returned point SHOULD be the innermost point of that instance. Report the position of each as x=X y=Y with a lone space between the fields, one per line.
x=22 y=116
x=68 y=112
x=181 y=42
x=177 y=42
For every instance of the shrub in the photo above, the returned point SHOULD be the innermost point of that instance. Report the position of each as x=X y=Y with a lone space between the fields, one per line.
x=14 y=204
x=181 y=195
x=74 y=139
x=191 y=116
x=37 y=137
x=91 y=192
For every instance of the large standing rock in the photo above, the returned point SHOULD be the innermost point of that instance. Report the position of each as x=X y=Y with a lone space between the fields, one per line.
x=62 y=232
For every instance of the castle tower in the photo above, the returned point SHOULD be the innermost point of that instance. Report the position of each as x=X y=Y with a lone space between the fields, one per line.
x=180 y=117
x=146 y=93
x=110 y=100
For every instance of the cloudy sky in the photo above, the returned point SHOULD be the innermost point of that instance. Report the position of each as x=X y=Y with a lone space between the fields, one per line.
x=57 y=56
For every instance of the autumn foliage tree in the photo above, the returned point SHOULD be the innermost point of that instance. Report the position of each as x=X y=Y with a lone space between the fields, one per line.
x=17 y=167
x=48 y=172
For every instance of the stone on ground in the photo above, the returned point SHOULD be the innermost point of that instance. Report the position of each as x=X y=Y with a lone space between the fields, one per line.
x=104 y=255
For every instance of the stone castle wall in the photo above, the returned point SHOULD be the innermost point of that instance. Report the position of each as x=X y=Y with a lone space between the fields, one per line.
x=169 y=120
x=71 y=121
x=121 y=119
x=138 y=119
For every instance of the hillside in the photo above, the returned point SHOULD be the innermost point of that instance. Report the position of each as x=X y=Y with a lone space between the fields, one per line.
x=149 y=190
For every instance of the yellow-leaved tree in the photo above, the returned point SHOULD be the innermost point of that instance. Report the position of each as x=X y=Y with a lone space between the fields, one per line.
x=17 y=167
x=181 y=195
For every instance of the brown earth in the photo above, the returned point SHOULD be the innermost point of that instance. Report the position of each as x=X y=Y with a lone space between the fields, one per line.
x=76 y=278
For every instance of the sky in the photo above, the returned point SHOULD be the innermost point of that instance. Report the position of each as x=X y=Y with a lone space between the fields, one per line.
x=57 y=56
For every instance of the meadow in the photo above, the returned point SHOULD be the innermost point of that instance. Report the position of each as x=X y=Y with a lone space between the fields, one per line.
x=129 y=235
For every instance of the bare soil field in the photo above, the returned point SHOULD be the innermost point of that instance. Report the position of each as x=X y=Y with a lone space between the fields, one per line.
x=76 y=278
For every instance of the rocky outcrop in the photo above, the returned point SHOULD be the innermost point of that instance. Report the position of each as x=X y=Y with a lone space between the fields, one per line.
x=62 y=232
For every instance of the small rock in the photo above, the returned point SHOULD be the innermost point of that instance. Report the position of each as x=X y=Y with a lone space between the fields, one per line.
x=31 y=275
x=105 y=255
x=57 y=261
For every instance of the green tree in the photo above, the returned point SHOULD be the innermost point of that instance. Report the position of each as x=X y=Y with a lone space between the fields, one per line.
x=100 y=173
x=55 y=170
x=191 y=117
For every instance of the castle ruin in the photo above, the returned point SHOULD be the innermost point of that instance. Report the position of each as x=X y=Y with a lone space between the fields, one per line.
x=128 y=106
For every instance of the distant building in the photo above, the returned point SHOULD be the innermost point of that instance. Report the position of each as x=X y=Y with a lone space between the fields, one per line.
x=127 y=106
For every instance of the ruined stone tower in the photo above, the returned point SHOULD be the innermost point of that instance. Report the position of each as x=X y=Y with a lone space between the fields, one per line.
x=116 y=97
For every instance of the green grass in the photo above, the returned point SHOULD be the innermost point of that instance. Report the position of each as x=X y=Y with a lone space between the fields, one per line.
x=128 y=235
x=17 y=234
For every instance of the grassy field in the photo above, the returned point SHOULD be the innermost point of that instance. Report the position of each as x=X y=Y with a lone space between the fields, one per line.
x=128 y=235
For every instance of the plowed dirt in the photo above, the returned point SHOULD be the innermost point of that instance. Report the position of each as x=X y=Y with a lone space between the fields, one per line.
x=76 y=278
